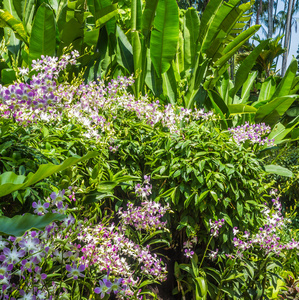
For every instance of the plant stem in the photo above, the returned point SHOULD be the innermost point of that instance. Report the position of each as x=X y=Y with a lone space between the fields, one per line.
x=204 y=255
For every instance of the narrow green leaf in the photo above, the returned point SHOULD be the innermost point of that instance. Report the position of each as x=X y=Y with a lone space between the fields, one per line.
x=275 y=169
x=236 y=109
x=271 y=112
x=234 y=45
x=136 y=15
x=43 y=171
x=201 y=197
x=95 y=7
x=286 y=83
x=240 y=208
x=106 y=14
x=137 y=58
x=6 y=19
x=207 y=21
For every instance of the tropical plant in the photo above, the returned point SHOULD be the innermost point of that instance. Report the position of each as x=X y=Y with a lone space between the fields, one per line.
x=46 y=28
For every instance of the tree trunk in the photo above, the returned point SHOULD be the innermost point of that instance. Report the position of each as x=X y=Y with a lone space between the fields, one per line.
x=287 y=37
x=259 y=11
x=270 y=18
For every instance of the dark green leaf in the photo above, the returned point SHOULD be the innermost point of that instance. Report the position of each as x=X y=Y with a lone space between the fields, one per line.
x=18 y=225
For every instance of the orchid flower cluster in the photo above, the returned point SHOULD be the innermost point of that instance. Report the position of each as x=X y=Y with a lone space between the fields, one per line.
x=188 y=245
x=252 y=133
x=268 y=239
x=28 y=102
x=69 y=251
x=147 y=216
x=214 y=232
x=107 y=248
x=144 y=190
x=215 y=226
x=93 y=105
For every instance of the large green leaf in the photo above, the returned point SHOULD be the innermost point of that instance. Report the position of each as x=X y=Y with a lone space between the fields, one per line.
x=11 y=37
x=191 y=33
x=10 y=182
x=75 y=10
x=148 y=16
x=197 y=77
x=224 y=86
x=279 y=132
x=286 y=83
x=18 y=225
x=43 y=35
x=165 y=35
x=8 y=76
x=246 y=66
x=91 y=37
x=124 y=54
x=247 y=86
x=61 y=14
x=170 y=85
x=6 y=19
x=219 y=106
x=271 y=112
x=152 y=80
x=267 y=89
x=275 y=169
x=201 y=288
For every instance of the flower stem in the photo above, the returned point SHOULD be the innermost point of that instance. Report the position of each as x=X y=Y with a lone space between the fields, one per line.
x=204 y=255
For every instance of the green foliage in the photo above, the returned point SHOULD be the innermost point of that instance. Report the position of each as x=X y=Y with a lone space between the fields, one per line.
x=43 y=35
x=165 y=35
x=200 y=173
x=287 y=156
x=18 y=225
x=46 y=28
x=10 y=182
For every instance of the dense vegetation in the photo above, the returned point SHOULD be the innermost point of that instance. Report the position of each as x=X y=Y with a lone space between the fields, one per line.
x=147 y=152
